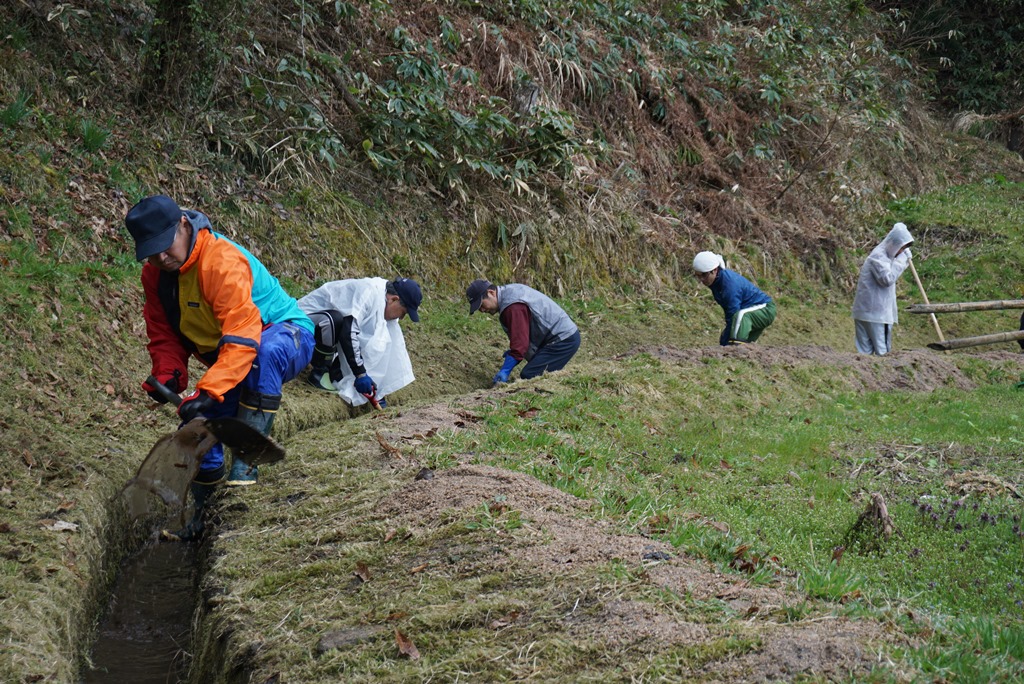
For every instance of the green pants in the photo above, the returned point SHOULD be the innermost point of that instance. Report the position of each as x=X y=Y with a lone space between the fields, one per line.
x=747 y=324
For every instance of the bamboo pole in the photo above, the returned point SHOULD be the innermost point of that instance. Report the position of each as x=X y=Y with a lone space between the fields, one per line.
x=966 y=306
x=962 y=342
x=924 y=296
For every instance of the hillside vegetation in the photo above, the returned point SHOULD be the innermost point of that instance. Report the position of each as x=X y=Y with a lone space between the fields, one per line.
x=518 y=136
x=661 y=509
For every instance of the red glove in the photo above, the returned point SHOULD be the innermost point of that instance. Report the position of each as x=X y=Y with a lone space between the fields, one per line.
x=172 y=381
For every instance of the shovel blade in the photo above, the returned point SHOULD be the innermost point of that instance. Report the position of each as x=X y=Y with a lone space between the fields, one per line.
x=251 y=445
x=168 y=469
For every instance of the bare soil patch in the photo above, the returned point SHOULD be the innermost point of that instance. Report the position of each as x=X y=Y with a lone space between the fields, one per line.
x=832 y=649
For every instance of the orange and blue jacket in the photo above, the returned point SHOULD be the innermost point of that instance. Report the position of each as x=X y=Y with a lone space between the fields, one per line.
x=215 y=308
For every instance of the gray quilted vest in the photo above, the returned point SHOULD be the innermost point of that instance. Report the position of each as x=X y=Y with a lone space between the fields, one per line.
x=548 y=322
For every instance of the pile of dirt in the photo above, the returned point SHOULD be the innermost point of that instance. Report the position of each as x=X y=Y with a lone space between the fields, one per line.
x=558 y=539
x=913 y=370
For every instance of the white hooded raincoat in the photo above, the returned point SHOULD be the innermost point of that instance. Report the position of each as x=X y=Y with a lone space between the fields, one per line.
x=383 y=346
x=875 y=301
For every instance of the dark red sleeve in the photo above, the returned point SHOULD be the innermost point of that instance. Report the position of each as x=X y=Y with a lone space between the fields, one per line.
x=165 y=348
x=516 y=319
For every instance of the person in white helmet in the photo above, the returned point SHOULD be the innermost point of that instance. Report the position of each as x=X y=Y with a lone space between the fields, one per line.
x=748 y=311
x=874 y=305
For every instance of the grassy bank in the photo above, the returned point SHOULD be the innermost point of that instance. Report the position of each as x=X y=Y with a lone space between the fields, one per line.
x=671 y=512
x=653 y=438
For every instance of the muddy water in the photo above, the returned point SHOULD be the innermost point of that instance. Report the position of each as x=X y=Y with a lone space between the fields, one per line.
x=145 y=634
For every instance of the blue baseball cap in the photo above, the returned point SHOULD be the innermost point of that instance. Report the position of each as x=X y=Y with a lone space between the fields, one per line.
x=153 y=223
x=410 y=295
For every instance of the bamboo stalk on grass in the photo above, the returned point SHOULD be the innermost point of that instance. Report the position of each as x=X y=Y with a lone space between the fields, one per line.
x=960 y=307
x=962 y=342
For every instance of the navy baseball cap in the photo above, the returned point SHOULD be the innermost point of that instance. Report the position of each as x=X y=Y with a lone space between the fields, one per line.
x=475 y=293
x=153 y=223
x=410 y=295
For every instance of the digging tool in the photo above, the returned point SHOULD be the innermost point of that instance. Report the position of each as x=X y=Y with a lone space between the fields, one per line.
x=251 y=445
x=924 y=296
x=169 y=468
x=174 y=460
x=372 y=398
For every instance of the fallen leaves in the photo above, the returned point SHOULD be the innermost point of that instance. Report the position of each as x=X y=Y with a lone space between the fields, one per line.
x=406 y=647
x=837 y=554
x=59 y=525
x=362 y=571
x=504 y=621
x=389 y=448
x=745 y=561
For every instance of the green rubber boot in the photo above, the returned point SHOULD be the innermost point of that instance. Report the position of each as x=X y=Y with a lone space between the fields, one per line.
x=318 y=375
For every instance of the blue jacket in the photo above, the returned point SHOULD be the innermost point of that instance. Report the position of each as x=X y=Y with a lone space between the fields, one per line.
x=733 y=293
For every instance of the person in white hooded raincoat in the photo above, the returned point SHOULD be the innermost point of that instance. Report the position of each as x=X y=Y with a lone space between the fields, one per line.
x=360 y=350
x=874 y=305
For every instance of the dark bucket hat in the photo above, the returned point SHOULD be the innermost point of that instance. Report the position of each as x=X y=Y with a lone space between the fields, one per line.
x=153 y=223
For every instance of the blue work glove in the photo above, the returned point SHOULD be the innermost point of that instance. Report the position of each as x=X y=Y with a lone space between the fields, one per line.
x=506 y=368
x=194 y=404
x=365 y=384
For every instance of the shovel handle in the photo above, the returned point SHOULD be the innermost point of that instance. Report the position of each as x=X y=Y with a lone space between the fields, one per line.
x=372 y=398
x=163 y=390
x=924 y=296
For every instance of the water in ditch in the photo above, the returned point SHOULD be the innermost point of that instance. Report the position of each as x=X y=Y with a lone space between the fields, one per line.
x=144 y=637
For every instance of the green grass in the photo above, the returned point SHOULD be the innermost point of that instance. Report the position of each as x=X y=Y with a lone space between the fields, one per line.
x=789 y=480
x=968 y=241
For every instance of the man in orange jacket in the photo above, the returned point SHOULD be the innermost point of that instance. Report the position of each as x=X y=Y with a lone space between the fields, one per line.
x=208 y=298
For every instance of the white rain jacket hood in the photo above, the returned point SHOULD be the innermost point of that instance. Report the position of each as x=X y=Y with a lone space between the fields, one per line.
x=383 y=346
x=875 y=301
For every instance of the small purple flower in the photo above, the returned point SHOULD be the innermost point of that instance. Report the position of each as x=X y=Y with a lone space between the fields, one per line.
x=958 y=527
x=931 y=585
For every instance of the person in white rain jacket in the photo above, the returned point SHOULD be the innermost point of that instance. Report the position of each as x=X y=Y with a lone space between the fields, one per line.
x=874 y=305
x=360 y=350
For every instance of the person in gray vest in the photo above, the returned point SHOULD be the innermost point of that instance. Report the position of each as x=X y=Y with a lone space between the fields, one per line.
x=538 y=330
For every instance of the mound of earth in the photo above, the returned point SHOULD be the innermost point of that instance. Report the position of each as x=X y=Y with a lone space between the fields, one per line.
x=913 y=370
x=559 y=540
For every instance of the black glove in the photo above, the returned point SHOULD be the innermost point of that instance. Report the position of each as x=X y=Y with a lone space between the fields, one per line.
x=194 y=404
x=168 y=380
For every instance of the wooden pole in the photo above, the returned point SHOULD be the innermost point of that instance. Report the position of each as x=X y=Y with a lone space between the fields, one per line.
x=962 y=342
x=924 y=296
x=966 y=306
